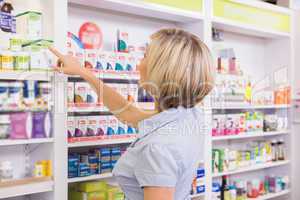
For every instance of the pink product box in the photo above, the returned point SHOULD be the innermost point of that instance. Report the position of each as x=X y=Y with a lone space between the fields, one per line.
x=219 y=125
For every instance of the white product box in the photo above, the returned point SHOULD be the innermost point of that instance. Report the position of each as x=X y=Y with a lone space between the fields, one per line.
x=133 y=92
x=81 y=126
x=102 y=60
x=71 y=126
x=90 y=58
x=111 y=61
x=103 y=123
x=81 y=92
x=70 y=91
x=121 y=62
x=92 y=125
x=112 y=125
x=29 y=25
x=92 y=96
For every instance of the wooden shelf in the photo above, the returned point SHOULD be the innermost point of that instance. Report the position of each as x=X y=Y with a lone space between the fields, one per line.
x=25 y=187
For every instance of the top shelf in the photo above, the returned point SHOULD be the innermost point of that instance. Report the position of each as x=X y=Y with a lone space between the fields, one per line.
x=144 y=9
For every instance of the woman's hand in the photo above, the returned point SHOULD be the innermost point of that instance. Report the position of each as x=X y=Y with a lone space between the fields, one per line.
x=67 y=64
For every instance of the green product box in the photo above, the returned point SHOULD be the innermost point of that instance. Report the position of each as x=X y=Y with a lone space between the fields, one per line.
x=95 y=186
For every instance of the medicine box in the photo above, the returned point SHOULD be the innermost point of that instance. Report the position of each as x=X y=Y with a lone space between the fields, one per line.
x=81 y=92
x=29 y=25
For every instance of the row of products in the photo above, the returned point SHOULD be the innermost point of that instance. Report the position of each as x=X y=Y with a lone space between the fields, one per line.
x=95 y=190
x=226 y=159
x=31 y=56
x=235 y=124
x=24 y=49
x=104 y=125
x=233 y=89
x=198 y=186
x=245 y=189
x=26 y=125
x=42 y=168
x=83 y=93
x=96 y=161
x=25 y=94
x=87 y=47
x=27 y=24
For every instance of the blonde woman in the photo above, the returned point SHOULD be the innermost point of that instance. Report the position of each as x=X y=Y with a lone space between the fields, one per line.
x=161 y=164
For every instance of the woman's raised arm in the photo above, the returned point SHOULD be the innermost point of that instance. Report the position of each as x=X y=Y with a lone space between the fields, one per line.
x=124 y=110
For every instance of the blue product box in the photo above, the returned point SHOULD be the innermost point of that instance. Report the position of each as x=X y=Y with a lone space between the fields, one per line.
x=105 y=154
x=106 y=167
x=93 y=163
x=83 y=170
x=73 y=164
x=115 y=153
x=200 y=173
x=113 y=163
x=200 y=189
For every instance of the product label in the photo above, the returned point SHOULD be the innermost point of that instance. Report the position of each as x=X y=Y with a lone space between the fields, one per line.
x=5 y=21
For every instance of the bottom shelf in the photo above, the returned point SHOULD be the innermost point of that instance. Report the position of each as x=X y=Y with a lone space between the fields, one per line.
x=25 y=187
x=272 y=195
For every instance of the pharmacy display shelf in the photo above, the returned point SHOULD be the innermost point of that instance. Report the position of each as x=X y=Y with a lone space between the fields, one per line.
x=10 y=142
x=29 y=188
x=86 y=142
x=245 y=29
x=251 y=135
x=17 y=109
x=272 y=195
x=145 y=9
x=91 y=178
x=251 y=107
x=26 y=75
x=253 y=168
x=118 y=75
x=92 y=108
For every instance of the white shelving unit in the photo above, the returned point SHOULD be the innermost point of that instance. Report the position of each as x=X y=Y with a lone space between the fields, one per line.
x=253 y=168
x=251 y=135
x=26 y=189
x=103 y=142
x=26 y=142
x=263 y=50
x=91 y=178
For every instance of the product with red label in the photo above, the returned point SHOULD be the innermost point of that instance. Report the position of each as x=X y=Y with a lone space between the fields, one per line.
x=81 y=92
x=71 y=126
x=102 y=125
x=111 y=61
x=90 y=59
x=112 y=125
x=92 y=126
x=122 y=41
x=81 y=126
x=21 y=125
x=70 y=91
x=91 y=36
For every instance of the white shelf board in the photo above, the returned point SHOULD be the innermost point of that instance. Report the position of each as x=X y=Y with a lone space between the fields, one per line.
x=236 y=27
x=272 y=195
x=250 y=135
x=26 y=189
x=253 y=168
x=102 y=142
x=241 y=107
x=26 y=75
x=144 y=9
x=265 y=5
x=196 y=196
x=122 y=75
x=9 y=142
x=90 y=178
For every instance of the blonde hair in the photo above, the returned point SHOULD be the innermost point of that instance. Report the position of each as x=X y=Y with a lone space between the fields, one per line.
x=179 y=68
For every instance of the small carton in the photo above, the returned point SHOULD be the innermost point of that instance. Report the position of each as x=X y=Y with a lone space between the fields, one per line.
x=81 y=92
x=71 y=126
x=123 y=40
x=90 y=59
x=29 y=25
x=102 y=125
x=112 y=125
x=92 y=125
x=81 y=126
x=70 y=91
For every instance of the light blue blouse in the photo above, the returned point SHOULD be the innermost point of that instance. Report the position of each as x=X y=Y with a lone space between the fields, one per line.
x=166 y=154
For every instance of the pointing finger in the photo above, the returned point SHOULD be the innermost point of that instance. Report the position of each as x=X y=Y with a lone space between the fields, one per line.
x=55 y=52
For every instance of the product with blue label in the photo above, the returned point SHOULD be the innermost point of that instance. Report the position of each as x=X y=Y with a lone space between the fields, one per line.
x=115 y=153
x=106 y=167
x=84 y=170
x=73 y=164
x=93 y=163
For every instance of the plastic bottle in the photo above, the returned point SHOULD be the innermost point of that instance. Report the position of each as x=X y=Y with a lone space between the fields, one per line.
x=274 y=150
x=280 y=150
x=6 y=19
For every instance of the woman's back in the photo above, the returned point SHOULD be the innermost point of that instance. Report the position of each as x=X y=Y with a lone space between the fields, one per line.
x=166 y=154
